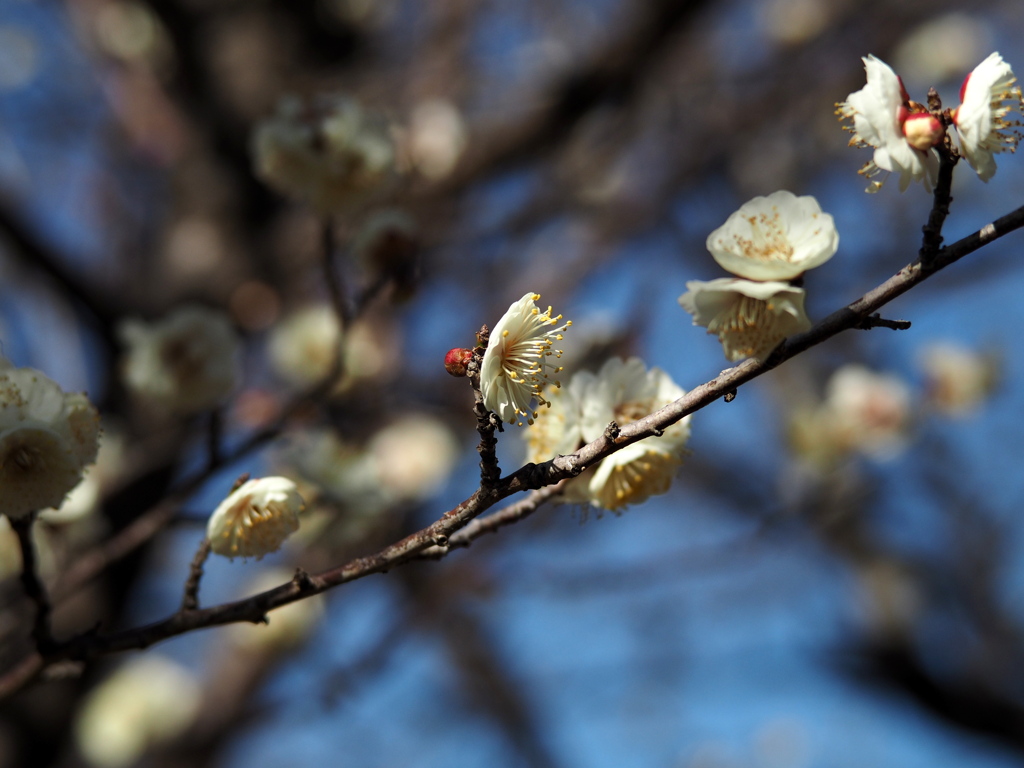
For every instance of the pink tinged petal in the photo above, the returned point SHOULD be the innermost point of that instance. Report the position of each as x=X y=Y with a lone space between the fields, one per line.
x=988 y=95
x=877 y=112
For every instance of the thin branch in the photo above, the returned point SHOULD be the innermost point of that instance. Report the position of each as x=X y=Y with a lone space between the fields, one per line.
x=513 y=513
x=486 y=423
x=190 y=601
x=532 y=476
x=214 y=436
x=32 y=584
x=942 y=199
x=333 y=276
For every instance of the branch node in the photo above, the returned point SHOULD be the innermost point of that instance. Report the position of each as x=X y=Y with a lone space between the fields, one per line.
x=730 y=395
x=612 y=431
x=303 y=580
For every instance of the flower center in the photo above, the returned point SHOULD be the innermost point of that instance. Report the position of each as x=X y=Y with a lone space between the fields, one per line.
x=748 y=327
x=25 y=458
x=768 y=240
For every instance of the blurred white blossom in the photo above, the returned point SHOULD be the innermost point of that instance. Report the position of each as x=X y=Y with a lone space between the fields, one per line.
x=902 y=132
x=305 y=345
x=957 y=378
x=413 y=456
x=146 y=702
x=750 y=319
x=187 y=362
x=515 y=370
x=255 y=519
x=47 y=438
x=329 y=152
x=777 y=237
x=437 y=137
x=987 y=96
x=942 y=48
x=862 y=411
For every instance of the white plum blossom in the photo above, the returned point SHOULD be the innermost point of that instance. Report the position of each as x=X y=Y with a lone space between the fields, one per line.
x=146 y=702
x=870 y=411
x=256 y=518
x=305 y=346
x=902 y=132
x=47 y=438
x=515 y=370
x=622 y=391
x=862 y=411
x=957 y=378
x=412 y=457
x=750 y=319
x=777 y=237
x=187 y=362
x=328 y=152
x=987 y=95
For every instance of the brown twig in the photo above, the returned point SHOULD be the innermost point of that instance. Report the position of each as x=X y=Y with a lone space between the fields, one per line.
x=486 y=422
x=513 y=513
x=333 y=277
x=190 y=601
x=32 y=584
x=932 y=240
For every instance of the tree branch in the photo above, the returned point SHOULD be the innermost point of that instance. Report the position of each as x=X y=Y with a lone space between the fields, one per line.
x=440 y=533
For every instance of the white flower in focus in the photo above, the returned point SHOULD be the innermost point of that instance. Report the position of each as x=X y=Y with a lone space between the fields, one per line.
x=148 y=701
x=775 y=238
x=901 y=131
x=515 y=370
x=328 y=152
x=958 y=379
x=750 y=319
x=47 y=438
x=623 y=392
x=306 y=344
x=987 y=96
x=870 y=411
x=187 y=362
x=255 y=519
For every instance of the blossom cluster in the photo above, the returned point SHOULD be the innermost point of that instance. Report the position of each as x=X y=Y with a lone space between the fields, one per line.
x=185 y=362
x=766 y=243
x=329 y=152
x=905 y=134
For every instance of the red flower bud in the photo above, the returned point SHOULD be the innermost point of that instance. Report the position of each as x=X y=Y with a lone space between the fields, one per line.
x=457 y=361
